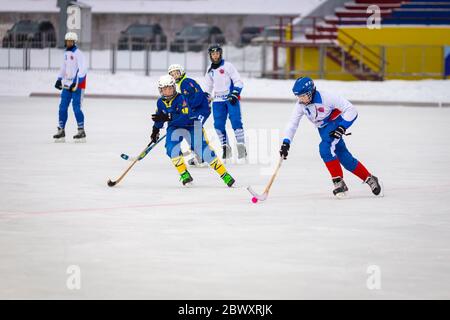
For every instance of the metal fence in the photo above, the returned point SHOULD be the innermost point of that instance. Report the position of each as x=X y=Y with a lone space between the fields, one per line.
x=251 y=60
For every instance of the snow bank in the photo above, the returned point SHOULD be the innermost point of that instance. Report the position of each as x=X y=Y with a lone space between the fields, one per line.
x=23 y=83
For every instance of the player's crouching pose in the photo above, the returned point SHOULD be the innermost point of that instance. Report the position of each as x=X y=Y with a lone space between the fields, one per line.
x=197 y=100
x=174 y=109
x=332 y=115
x=72 y=81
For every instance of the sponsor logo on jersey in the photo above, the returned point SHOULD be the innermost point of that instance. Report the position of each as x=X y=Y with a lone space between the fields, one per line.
x=221 y=71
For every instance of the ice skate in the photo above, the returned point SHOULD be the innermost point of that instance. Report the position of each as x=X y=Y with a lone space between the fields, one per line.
x=242 y=151
x=60 y=136
x=228 y=179
x=340 y=188
x=186 y=179
x=80 y=137
x=374 y=185
x=226 y=153
x=196 y=161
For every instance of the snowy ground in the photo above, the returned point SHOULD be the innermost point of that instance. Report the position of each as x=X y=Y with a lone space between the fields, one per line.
x=22 y=83
x=151 y=238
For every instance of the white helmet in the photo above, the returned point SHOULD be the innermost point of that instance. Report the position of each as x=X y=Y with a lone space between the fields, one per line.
x=71 y=36
x=167 y=81
x=174 y=67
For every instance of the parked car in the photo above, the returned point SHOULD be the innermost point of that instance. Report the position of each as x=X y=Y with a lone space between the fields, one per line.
x=248 y=33
x=30 y=33
x=139 y=36
x=196 y=37
x=270 y=34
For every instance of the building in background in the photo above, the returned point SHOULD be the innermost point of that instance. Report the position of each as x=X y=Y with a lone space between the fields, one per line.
x=328 y=39
x=110 y=17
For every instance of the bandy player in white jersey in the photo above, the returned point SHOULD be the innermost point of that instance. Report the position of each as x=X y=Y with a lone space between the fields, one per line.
x=72 y=82
x=332 y=115
x=223 y=78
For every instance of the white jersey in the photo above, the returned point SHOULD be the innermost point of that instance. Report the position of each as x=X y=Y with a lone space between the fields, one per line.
x=324 y=108
x=73 y=68
x=222 y=80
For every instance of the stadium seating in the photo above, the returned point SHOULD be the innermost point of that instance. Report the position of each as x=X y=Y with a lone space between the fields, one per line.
x=392 y=12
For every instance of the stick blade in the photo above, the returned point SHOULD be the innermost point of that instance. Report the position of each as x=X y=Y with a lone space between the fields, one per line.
x=111 y=183
x=260 y=197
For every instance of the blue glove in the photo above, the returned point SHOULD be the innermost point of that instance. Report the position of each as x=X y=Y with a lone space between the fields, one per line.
x=233 y=97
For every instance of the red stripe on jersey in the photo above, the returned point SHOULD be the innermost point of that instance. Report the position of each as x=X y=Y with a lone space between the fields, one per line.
x=334 y=114
x=82 y=84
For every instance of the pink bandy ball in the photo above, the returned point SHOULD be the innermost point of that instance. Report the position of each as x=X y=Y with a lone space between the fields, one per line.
x=254 y=200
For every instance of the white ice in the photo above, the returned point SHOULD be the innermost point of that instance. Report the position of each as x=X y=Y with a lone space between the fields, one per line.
x=150 y=238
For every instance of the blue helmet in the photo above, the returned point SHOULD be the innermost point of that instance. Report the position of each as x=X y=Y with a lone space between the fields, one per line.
x=304 y=85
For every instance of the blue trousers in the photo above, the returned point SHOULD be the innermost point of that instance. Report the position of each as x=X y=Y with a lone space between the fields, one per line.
x=196 y=138
x=331 y=148
x=76 y=98
x=222 y=110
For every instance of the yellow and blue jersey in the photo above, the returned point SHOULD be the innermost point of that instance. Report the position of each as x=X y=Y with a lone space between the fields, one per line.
x=179 y=110
x=196 y=98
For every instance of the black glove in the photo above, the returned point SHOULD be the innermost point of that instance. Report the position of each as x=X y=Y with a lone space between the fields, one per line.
x=233 y=97
x=72 y=86
x=161 y=117
x=58 y=84
x=284 y=150
x=338 y=132
x=208 y=97
x=154 y=136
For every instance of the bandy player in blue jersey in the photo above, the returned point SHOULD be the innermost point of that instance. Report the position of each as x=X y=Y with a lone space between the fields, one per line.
x=197 y=99
x=332 y=115
x=173 y=109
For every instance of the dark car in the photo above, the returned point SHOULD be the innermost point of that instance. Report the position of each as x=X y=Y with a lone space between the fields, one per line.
x=270 y=34
x=248 y=33
x=139 y=36
x=196 y=37
x=29 y=33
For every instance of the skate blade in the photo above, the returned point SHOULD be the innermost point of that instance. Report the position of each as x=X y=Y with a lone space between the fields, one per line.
x=242 y=160
x=341 y=195
x=60 y=140
x=82 y=140
x=188 y=185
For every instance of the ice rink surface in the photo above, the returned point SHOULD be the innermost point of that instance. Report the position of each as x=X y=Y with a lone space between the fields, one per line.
x=150 y=238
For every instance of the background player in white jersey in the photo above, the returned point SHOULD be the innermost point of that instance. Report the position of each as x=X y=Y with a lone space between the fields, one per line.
x=332 y=115
x=72 y=82
x=223 y=78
